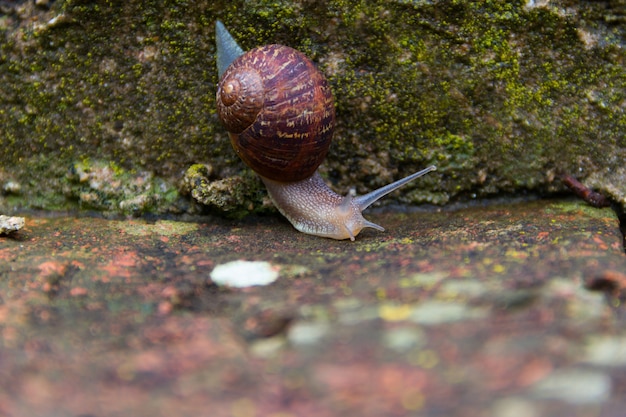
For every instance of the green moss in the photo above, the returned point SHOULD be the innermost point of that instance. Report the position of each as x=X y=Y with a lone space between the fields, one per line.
x=473 y=87
x=577 y=207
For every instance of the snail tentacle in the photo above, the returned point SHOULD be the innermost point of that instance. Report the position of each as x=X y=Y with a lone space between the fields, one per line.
x=366 y=200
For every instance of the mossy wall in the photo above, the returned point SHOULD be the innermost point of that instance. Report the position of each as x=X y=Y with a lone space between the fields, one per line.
x=106 y=104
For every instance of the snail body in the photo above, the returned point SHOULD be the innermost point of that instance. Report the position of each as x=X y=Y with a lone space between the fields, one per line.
x=280 y=115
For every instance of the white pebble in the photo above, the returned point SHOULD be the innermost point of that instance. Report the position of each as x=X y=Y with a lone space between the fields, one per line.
x=242 y=274
x=403 y=339
x=10 y=224
x=607 y=351
x=307 y=334
x=438 y=312
x=514 y=407
x=575 y=386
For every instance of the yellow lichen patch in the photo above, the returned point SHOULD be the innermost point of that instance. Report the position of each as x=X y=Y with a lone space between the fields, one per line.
x=425 y=358
x=394 y=312
x=425 y=280
x=162 y=228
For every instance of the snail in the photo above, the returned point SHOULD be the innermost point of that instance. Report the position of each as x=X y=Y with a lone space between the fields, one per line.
x=280 y=115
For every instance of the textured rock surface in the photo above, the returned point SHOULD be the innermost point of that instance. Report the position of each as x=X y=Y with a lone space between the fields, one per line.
x=501 y=96
x=513 y=310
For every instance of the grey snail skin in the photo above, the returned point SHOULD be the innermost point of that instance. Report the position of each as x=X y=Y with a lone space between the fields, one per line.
x=279 y=112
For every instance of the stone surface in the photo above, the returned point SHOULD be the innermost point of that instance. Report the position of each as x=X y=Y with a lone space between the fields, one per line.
x=107 y=104
x=512 y=310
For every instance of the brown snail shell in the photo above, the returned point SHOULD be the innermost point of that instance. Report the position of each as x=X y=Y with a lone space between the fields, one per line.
x=279 y=111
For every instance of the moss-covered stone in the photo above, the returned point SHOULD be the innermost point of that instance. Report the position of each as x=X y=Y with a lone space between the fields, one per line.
x=96 y=185
x=235 y=195
x=501 y=96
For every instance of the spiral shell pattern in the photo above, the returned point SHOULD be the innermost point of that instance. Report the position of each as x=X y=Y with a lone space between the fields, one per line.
x=279 y=111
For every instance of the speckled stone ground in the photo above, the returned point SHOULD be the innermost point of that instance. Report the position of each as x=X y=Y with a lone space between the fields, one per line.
x=498 y=311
